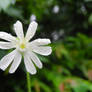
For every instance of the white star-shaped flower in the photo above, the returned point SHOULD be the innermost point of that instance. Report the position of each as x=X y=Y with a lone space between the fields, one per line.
x=23 y=48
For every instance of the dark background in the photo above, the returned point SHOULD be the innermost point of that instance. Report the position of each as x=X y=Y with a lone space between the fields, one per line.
x=68 y=23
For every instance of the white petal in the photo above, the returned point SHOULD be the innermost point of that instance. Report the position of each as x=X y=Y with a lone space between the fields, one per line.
x=31 y=30
x=41 y=42
x=35 y=59
x=43 y=50
x=6 y=45
x=19 y=29
x=6 y=36
x=6 y=60
x=29 y=65
x=16 y=62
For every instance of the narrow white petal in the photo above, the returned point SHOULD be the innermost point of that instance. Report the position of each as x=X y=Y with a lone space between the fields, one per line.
x=35 y=59
x=19 y=29
x=41 y=42
x=6 y=45
x=16 y=62
x=31 y=30
x=6 y=36
x=43 y=50
x=29 y=65
x=6 y=60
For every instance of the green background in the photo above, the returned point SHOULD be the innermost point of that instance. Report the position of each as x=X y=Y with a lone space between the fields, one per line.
x=68 y=23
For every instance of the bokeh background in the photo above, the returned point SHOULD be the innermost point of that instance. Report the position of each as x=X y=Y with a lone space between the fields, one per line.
x=68 y=23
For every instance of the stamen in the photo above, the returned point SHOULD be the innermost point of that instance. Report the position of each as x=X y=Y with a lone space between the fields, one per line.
x=22 y=46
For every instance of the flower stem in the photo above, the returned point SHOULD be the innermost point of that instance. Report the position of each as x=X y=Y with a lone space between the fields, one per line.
x=28 y=82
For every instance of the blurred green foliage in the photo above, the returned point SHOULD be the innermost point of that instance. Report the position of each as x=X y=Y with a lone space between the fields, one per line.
x=68 y=23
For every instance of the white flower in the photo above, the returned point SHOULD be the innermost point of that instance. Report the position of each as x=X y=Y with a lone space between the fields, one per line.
x=32 y=17
x=23 y=48
x=56 y=9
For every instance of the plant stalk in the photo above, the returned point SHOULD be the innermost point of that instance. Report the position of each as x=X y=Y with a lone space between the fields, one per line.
x=28 y=82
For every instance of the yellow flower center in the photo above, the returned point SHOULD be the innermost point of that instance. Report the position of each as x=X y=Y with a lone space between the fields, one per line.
x=22 y=46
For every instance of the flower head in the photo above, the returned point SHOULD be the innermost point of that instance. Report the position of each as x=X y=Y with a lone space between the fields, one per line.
x=33 y=17
x=23 y=47
x=56 y=9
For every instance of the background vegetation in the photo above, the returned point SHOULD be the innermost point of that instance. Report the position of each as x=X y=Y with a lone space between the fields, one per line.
x=68 y=23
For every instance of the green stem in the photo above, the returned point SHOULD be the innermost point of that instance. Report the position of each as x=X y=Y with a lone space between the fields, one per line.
x=28 y=82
